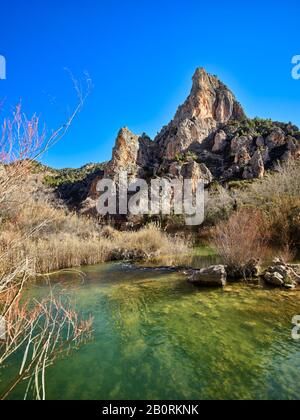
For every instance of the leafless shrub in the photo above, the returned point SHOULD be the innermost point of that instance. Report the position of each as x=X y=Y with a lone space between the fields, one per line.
x=287 y=254
x=219 y=205
x=241 y=239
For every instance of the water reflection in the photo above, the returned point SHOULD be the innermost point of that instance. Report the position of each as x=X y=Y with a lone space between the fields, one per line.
x=157 y=337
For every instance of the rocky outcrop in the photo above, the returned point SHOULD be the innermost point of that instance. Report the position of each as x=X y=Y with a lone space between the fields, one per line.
x=132 y=153
x=256 y=169
x=209 y=106
x=214 y=276
x=212 y=127
x=195 y=171
x=220 y=142
x=282 y=275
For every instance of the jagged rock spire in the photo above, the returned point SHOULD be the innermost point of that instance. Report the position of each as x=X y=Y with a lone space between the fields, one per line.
x=209 y=98
x=210 y=105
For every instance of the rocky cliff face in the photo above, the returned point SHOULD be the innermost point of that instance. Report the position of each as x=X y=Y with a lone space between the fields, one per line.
x=132 y=153
x=210 y=138
x=209 y=106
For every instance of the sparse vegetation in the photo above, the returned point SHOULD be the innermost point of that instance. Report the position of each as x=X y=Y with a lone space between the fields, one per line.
x=38 y=331
x=241 y=239
x=71 y=176
x=277 y=198
x=258 y=127
x=186 y=157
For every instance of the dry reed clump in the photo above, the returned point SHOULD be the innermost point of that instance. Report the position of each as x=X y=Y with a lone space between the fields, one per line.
x=148 y=243
x=241 y=240
x=59 y=240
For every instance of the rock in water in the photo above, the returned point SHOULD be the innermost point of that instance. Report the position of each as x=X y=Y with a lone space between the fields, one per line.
x=214 y=276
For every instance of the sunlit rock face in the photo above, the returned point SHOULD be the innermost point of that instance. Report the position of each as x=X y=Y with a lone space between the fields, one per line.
x=131 y=154
x=210 y=105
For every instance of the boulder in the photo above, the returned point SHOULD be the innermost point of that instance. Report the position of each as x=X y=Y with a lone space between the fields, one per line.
x=276 y=138
x=282 y=275
x=196 y=171
x=257 y=165
x=220 y=142
x=242 y=156
x=214 y=276
x=241 y=142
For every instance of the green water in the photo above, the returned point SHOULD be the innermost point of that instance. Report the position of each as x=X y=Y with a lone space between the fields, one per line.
x=157 y=337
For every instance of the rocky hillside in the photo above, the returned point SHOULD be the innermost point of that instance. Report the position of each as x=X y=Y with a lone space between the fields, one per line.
x=210 y=138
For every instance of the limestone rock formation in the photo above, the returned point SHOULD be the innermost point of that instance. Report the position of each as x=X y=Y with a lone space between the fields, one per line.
x=220 y=142
x=282 y=275
x=196 y=171
x=214 y=276
x=209 y=106
x=210 y=138
x=131 y=153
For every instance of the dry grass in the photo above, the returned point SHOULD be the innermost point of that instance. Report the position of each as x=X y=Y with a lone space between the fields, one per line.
x=277 y=196
x=60 y=240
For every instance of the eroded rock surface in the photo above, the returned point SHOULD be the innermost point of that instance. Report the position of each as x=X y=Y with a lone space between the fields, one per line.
x=282 y=275
x=214 y=276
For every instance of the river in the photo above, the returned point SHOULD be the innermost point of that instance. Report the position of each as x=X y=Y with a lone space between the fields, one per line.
x=158 y=337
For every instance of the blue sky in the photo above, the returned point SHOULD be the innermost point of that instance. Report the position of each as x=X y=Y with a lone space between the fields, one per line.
x=141 y=56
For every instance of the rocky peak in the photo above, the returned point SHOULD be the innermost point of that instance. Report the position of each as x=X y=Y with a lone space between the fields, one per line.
x=209 y=106
x=131 y=152
x=209 y=98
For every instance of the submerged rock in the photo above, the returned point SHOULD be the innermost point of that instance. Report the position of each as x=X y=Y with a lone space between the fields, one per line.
x=215 y=276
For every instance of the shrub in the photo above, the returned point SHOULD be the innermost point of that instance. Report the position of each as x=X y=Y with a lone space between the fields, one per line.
x=283 y=221
x=241 y=239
